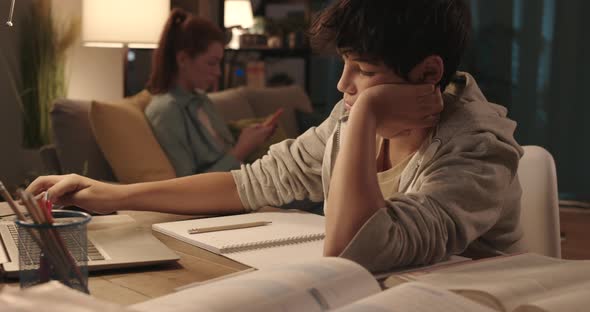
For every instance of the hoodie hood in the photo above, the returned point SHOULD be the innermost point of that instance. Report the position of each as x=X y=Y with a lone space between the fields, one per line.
x=468 y=111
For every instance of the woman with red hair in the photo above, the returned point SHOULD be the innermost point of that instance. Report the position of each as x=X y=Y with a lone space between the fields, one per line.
x=192 y=133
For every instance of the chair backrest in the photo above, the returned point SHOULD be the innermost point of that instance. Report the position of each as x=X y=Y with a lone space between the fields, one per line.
x=539 y=215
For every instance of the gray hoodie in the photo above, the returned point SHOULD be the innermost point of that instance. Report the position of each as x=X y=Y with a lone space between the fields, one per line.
x=459 y=194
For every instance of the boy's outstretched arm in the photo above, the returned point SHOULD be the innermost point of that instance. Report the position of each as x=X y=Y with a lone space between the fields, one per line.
x=209 y=193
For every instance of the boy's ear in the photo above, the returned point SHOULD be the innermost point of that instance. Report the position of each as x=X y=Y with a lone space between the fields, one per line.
x=430 y=70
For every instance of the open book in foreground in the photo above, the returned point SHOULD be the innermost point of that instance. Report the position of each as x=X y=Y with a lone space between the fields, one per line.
x=520 y=283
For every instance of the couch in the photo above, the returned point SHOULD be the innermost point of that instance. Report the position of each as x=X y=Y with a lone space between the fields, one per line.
x=112 y=141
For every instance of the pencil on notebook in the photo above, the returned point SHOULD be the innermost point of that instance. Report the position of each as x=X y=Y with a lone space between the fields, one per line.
x=228 y=227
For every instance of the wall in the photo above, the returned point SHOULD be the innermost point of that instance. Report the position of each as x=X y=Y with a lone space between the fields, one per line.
x=11 y=153
x=93 y=73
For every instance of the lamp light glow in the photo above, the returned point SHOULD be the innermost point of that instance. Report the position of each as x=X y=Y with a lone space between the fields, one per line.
x=237 y=13
x=119 y=23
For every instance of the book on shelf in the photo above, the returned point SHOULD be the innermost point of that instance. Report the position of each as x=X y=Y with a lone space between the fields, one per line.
x=288 y=236
x=522 y=283
x=255 y=74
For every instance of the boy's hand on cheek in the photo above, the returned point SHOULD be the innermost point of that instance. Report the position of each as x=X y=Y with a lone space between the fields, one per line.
x=400 y=107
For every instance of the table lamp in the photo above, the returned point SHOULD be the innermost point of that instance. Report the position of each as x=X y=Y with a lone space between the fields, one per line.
x=127 y=24
x=123 y=23
x=237 y=16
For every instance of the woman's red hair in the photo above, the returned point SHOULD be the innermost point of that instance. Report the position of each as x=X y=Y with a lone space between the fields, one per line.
x=183 y=32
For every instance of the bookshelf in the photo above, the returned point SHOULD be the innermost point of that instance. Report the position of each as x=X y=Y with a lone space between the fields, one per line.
x=291 y=64
x=275 y=43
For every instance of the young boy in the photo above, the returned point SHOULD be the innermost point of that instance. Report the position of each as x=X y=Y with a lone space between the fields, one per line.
x=409 y=176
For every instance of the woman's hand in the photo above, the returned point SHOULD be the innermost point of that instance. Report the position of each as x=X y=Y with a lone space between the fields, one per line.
x=250 y=138
x=79 y=191
x=400 y=107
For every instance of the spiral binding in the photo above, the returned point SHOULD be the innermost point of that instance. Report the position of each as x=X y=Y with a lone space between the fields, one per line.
x=272 y=243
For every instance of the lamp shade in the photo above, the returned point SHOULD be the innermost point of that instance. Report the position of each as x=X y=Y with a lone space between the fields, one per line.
x=237 y=13
x=116 y=23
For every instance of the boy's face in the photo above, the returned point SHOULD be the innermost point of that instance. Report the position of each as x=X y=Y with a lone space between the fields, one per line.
x=361 y=73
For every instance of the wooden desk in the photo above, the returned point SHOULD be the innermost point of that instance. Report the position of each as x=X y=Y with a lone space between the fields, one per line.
x=575 y=230
x=129 y=286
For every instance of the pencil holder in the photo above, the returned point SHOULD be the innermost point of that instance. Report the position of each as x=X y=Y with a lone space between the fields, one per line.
x=55 y=251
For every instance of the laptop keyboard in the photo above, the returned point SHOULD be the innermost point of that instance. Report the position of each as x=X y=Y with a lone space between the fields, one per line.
x=93 y=253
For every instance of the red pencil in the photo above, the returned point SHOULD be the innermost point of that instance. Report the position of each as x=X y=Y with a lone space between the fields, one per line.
x=47 y=208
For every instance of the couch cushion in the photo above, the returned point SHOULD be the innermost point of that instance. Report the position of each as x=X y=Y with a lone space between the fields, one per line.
x=74 y=141
x=232 y=104
x=127 y=141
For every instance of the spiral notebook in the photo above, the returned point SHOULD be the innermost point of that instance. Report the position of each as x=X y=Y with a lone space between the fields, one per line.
x=290 y=236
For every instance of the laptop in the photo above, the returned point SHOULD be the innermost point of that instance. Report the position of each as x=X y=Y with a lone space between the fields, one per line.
x=114 y=241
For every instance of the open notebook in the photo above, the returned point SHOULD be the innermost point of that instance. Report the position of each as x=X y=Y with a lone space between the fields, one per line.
x=291 y=236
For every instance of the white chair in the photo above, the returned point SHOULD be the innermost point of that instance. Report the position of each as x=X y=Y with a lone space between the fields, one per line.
x=539 y=215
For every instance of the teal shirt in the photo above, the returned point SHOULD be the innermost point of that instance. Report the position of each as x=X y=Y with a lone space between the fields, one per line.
x=190 y=147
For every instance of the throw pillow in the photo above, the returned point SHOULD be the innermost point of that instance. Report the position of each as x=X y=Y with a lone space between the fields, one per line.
x=75 y=144
x=127 y=141
x=236 y=128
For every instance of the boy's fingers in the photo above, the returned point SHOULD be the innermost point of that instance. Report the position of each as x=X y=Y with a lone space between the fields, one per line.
x=430 y=95
x=41 y=184
x=425 y=90
x=65 y=186
x=432 y=101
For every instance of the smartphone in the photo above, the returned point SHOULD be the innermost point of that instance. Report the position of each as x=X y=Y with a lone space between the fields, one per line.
x=272 y=119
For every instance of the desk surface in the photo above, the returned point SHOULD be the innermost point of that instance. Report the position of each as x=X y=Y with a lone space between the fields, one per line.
x=129 y=286
x=132 y=286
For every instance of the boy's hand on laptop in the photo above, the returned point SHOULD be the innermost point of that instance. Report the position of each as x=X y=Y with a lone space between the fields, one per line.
x=76 y=190
x=401 y=107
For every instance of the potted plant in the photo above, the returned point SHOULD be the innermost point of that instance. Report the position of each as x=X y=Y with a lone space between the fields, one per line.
x=43 y=46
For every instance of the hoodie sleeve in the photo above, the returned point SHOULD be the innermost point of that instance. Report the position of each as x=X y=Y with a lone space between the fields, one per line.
x=290 y=171
x=460 y=195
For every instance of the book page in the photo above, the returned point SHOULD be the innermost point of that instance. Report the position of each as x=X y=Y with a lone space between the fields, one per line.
x=575 y=298
x=503 y=264
x=415 y=297
x=497 y=265
x=507 y=282
x=415 y=270
x=318 y=285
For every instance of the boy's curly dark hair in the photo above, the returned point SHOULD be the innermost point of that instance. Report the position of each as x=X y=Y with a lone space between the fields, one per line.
x=400 y=33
